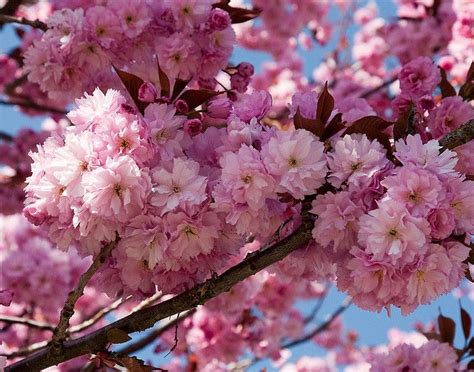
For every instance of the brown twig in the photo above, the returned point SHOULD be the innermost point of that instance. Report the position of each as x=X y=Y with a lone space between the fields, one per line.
x=98 y=315
x=5 y=137
x=26 y=350
x=4 y=18
x=345 y=304
x=379 y=87
x=146 y=318
x=60 y=332
x=26 y=322
x=458 y=137
x=153 y=335
x=34 y=106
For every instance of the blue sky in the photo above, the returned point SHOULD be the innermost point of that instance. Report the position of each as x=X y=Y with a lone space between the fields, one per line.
x=372 y=327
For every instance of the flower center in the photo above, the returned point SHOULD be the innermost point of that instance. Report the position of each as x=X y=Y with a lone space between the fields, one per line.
x=118 y=189
x=356 y=166
x=420 y=275
x=292 y=162
x=393 y=233
x=176 y=189
x=247 y=179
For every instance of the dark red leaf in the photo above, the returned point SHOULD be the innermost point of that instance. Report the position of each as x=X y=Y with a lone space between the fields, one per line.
x=132 y=83
x=178 y=87
x=432 y=336
x=311 y=125
x=117 y=336
x=467 y=89
x=334 y=126
x=164 y=81
x=196 y=97
x=400 y=127
x=372 y=127
x=470 y=365
x=325 y=105
x=237 y=15
x=447 y=329
x=466 y=323
x=447 y=89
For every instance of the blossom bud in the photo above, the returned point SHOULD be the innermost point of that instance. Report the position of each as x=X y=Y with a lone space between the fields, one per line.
x=245 y=69
x=209 y=83
x=147 y=92
x=181 y=106
x=219 y=108
x=239 y=83
x=193 y=127
x=219 y=20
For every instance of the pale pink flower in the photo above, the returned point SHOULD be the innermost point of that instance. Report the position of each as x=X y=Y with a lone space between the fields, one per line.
x=353 y=109
x=181 y=187
x=337 y=220
x=437 y=357
x=354 y=160
x=133 y=17
x=391 y=233
x=92 y=109
x=116 y=190
x=245 y=175
x=103 y=26
x=297 y=161
x=449 y=115
x=306 y=103
x=179 y=56
x=254 y=105
x=417 y=189
x=425 y=155
x=442 y=221
x=419 y=77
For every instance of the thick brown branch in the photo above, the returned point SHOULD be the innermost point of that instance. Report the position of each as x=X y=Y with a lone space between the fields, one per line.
x=145 y=318
x=458 y=137
x=60 y=332
x=133 y=347
x=26 y=322
x=23 y=21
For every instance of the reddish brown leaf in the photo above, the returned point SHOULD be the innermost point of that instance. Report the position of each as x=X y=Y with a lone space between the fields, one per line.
x=164 y=81
x=334 y=126
x=196 y=97
x=132 y=83
x=325 y=105
x=178 y=87
x=311 y=125
x=447 y=329
x=372 y=127
x=400 y=127
x=466 y=323
x=467 y=89
x=134 y=364
x=432 y=336
x=237 y=15
x=447 y=90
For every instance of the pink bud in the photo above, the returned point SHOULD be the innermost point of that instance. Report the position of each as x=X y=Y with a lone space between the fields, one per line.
x=245 y=69
x=219 y=108
x=181 y=106
x=147 y=92
x=193 y=127
x=219 y=20
x=239 y=83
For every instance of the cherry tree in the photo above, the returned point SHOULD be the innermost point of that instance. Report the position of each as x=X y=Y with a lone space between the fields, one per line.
x=176 y=191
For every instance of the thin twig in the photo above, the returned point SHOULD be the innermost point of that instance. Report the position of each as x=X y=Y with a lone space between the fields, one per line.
x=98 y=315
x=315 y=310
x=26 y=350
x=147 y=302
x=26 y=322
x=5 y=137
x=60 y=332
x=34 y=106
x=345 y=304
x=147 y=317
x=4 y=18
x=379 y=87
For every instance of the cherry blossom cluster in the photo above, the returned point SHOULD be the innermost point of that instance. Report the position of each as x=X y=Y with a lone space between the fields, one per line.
x=32 y=271
x=188 y=39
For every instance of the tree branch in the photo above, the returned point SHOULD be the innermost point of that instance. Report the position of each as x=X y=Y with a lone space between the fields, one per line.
x=60 y=332
x=379 y=87
x=26 y=322
x=4 y=18
x=34 y=106
x=345 y=304
x=5 y=137
x=458 y=137
x=147 y=317
x=148 y=339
